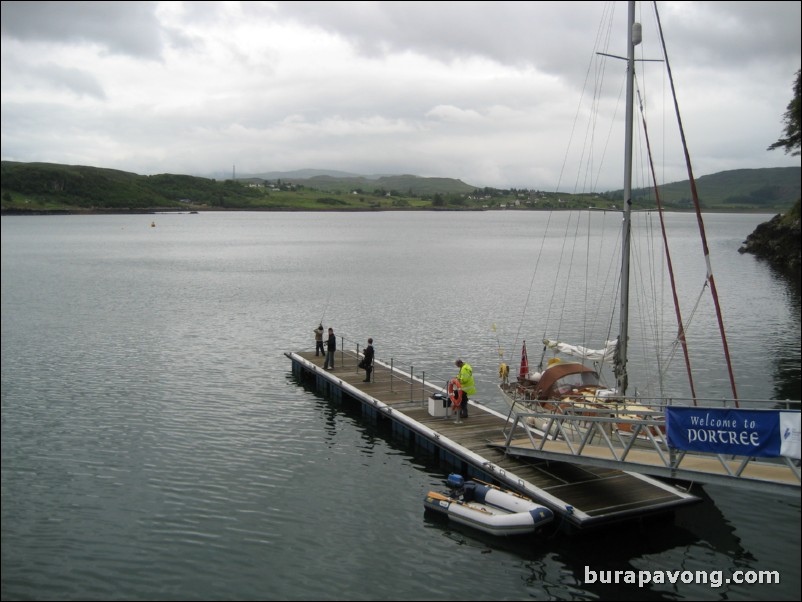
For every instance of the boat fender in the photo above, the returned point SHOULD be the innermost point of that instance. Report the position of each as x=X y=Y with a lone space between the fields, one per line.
x=455 y=392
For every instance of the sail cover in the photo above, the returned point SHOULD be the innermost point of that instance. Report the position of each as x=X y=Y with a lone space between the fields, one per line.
x=595 y=355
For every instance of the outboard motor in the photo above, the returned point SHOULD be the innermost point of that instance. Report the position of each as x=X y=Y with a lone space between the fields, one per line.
x=466 y=492
x=455 y=482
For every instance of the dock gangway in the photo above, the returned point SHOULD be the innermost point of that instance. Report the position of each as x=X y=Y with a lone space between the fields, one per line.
x=595 y=437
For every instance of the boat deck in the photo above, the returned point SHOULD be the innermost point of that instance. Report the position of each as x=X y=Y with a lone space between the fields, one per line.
x=583 y=496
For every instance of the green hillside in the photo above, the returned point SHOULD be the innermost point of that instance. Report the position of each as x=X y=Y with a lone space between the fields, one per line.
x=404 y=185
x=48 y=187
x=769 y=189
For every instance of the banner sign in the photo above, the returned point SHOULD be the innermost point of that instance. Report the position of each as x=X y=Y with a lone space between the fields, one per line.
x=758 y=433
x=789 y=430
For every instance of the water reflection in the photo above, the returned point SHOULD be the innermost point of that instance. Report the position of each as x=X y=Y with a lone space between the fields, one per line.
x=787 y=373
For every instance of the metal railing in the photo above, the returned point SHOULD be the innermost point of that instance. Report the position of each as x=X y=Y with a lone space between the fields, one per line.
x=398 y=377
x=604 y=437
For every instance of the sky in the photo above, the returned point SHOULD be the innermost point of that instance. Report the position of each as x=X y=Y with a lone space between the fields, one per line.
x=495 y=94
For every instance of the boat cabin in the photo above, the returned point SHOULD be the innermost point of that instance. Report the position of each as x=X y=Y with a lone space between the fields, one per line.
x=561 y=379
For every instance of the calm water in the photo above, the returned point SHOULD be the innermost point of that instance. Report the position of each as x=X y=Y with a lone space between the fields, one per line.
x=155 y=445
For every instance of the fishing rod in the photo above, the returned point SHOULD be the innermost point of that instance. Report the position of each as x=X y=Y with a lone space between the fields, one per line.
x=498 y=341
x=325 y=308
x=503 y=368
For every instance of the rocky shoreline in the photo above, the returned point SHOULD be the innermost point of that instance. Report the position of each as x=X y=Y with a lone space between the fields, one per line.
x=777 y=241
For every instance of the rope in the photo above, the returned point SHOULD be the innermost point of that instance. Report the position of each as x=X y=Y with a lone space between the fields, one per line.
x=697 y=206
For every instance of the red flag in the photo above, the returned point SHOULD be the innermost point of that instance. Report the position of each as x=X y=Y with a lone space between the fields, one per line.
x=524 y=363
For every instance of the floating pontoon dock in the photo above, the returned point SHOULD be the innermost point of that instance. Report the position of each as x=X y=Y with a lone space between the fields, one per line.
x=583 y=496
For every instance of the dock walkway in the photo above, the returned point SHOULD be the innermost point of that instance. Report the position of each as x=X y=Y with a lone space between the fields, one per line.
x=582 y=496
x=652 y=455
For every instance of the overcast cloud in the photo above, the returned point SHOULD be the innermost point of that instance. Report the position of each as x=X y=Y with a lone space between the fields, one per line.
x=486 y=92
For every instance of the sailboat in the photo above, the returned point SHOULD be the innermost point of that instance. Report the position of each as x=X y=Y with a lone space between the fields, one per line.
x=573 y=388
x=567 y=384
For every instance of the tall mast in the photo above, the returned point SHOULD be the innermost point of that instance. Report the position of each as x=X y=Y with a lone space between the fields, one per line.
x=633 y=39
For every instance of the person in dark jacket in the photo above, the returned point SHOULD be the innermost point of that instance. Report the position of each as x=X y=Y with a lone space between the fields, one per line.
x=331 y=347
x=367 y=360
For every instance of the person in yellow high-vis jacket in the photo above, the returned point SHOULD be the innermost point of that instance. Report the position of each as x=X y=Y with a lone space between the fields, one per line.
x=504 y=373
x=467 y=385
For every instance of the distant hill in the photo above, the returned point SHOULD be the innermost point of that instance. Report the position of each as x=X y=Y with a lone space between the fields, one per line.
x=56 y=187
x=298 y=174
x=49 y=187
x=769 y=189
x=403 y=184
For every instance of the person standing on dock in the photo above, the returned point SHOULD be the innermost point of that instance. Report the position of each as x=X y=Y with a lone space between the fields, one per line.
x=319 y=341
x=367 y=360
x=331 y=347
x=467 y=385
